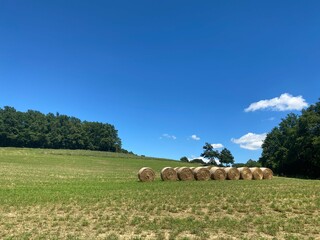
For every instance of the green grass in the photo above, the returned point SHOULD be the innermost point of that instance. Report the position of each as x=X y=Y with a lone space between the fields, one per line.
x=64 y=194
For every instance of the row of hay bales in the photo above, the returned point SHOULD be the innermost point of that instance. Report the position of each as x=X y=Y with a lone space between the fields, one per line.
x=146 y=174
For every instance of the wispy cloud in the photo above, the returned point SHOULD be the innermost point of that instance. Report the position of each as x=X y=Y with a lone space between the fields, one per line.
x=168 y=136
x=217 y=145
x=285 y=102
x=250 y=141
x=195 y=137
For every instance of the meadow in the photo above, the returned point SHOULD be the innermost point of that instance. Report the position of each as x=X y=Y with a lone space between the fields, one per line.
x=73 y=194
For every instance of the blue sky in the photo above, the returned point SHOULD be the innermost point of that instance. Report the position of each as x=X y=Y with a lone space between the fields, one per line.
x=170 y=75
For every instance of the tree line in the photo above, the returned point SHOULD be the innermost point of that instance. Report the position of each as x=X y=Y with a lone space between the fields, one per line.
x=293 y=147
x=34 y=129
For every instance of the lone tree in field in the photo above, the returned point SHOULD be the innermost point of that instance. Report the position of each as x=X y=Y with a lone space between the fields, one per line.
x=226 y=157
x=210 y=154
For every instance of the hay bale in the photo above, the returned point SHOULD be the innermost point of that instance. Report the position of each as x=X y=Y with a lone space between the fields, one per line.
x=185 y=174
x=176 y=169
x=209 y=167
x=245 y=173
x=192 y=168
x=146 y=174
x=267 y=173
x=217 y=173
x=232 y=173
x=201 y=173
x=168 y=174
x=257 y=173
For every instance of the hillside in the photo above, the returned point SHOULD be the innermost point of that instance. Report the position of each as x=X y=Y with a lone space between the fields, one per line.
x=77 y=194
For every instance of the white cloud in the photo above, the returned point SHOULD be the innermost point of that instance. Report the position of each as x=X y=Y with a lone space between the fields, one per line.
x=285 y=102
x=167 y=136
x=217 y=145
x=250 y=141
x=195 y=137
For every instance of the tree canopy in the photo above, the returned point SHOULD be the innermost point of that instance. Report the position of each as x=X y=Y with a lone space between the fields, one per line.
x=36 y=130
x=293 y=148
x=224 y=157
x=209 y=153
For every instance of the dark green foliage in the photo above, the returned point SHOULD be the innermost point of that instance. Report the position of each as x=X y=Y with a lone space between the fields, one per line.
x=184 y=159
x=237 y=165
x=225 y=156
x=293 y=148
x=249 y=163
x=36 y=130
x=197 y=160
x=252 y=163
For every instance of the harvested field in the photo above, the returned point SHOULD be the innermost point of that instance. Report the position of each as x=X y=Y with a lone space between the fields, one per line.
x=63 y=194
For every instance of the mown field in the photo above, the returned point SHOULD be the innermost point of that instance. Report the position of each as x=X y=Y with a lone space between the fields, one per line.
x=62 y=194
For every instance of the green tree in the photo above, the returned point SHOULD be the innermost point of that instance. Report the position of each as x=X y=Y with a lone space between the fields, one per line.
x=184 y=159
x=293 y=148
x=36 y=130
x=210 y=154
x=252 y=163
x=225 y=157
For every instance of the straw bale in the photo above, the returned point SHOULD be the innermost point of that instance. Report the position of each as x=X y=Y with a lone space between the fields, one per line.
x=201 y=173
x=192 y=168
x=267 y=173
x=217 y=173
x=146 y=174
x=168 y=174
x=176 y=169
x=185 y=174
x=257 y=173
x=232 y=173
x=245 y=173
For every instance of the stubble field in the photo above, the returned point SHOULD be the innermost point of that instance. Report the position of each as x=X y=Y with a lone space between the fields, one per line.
x=64 y=194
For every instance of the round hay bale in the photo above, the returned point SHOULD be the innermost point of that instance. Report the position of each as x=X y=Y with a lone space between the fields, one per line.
x=201 y=173
x=185 y=174
x=257 y=173
x=146 y=174
x=209 y=167
x=232 y=173
x=267 y=173
x=168 y=174
x=217 y=173
x=192 y=168
x=245 y=173
x=176 y=169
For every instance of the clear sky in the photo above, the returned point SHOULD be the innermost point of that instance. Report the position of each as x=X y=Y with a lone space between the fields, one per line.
x=170 y=75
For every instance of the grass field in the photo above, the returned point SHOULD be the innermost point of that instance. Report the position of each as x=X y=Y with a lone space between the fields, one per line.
x=63 y=194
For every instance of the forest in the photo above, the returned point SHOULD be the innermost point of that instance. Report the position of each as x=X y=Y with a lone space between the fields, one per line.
x=33 y=129
x=293 y=147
